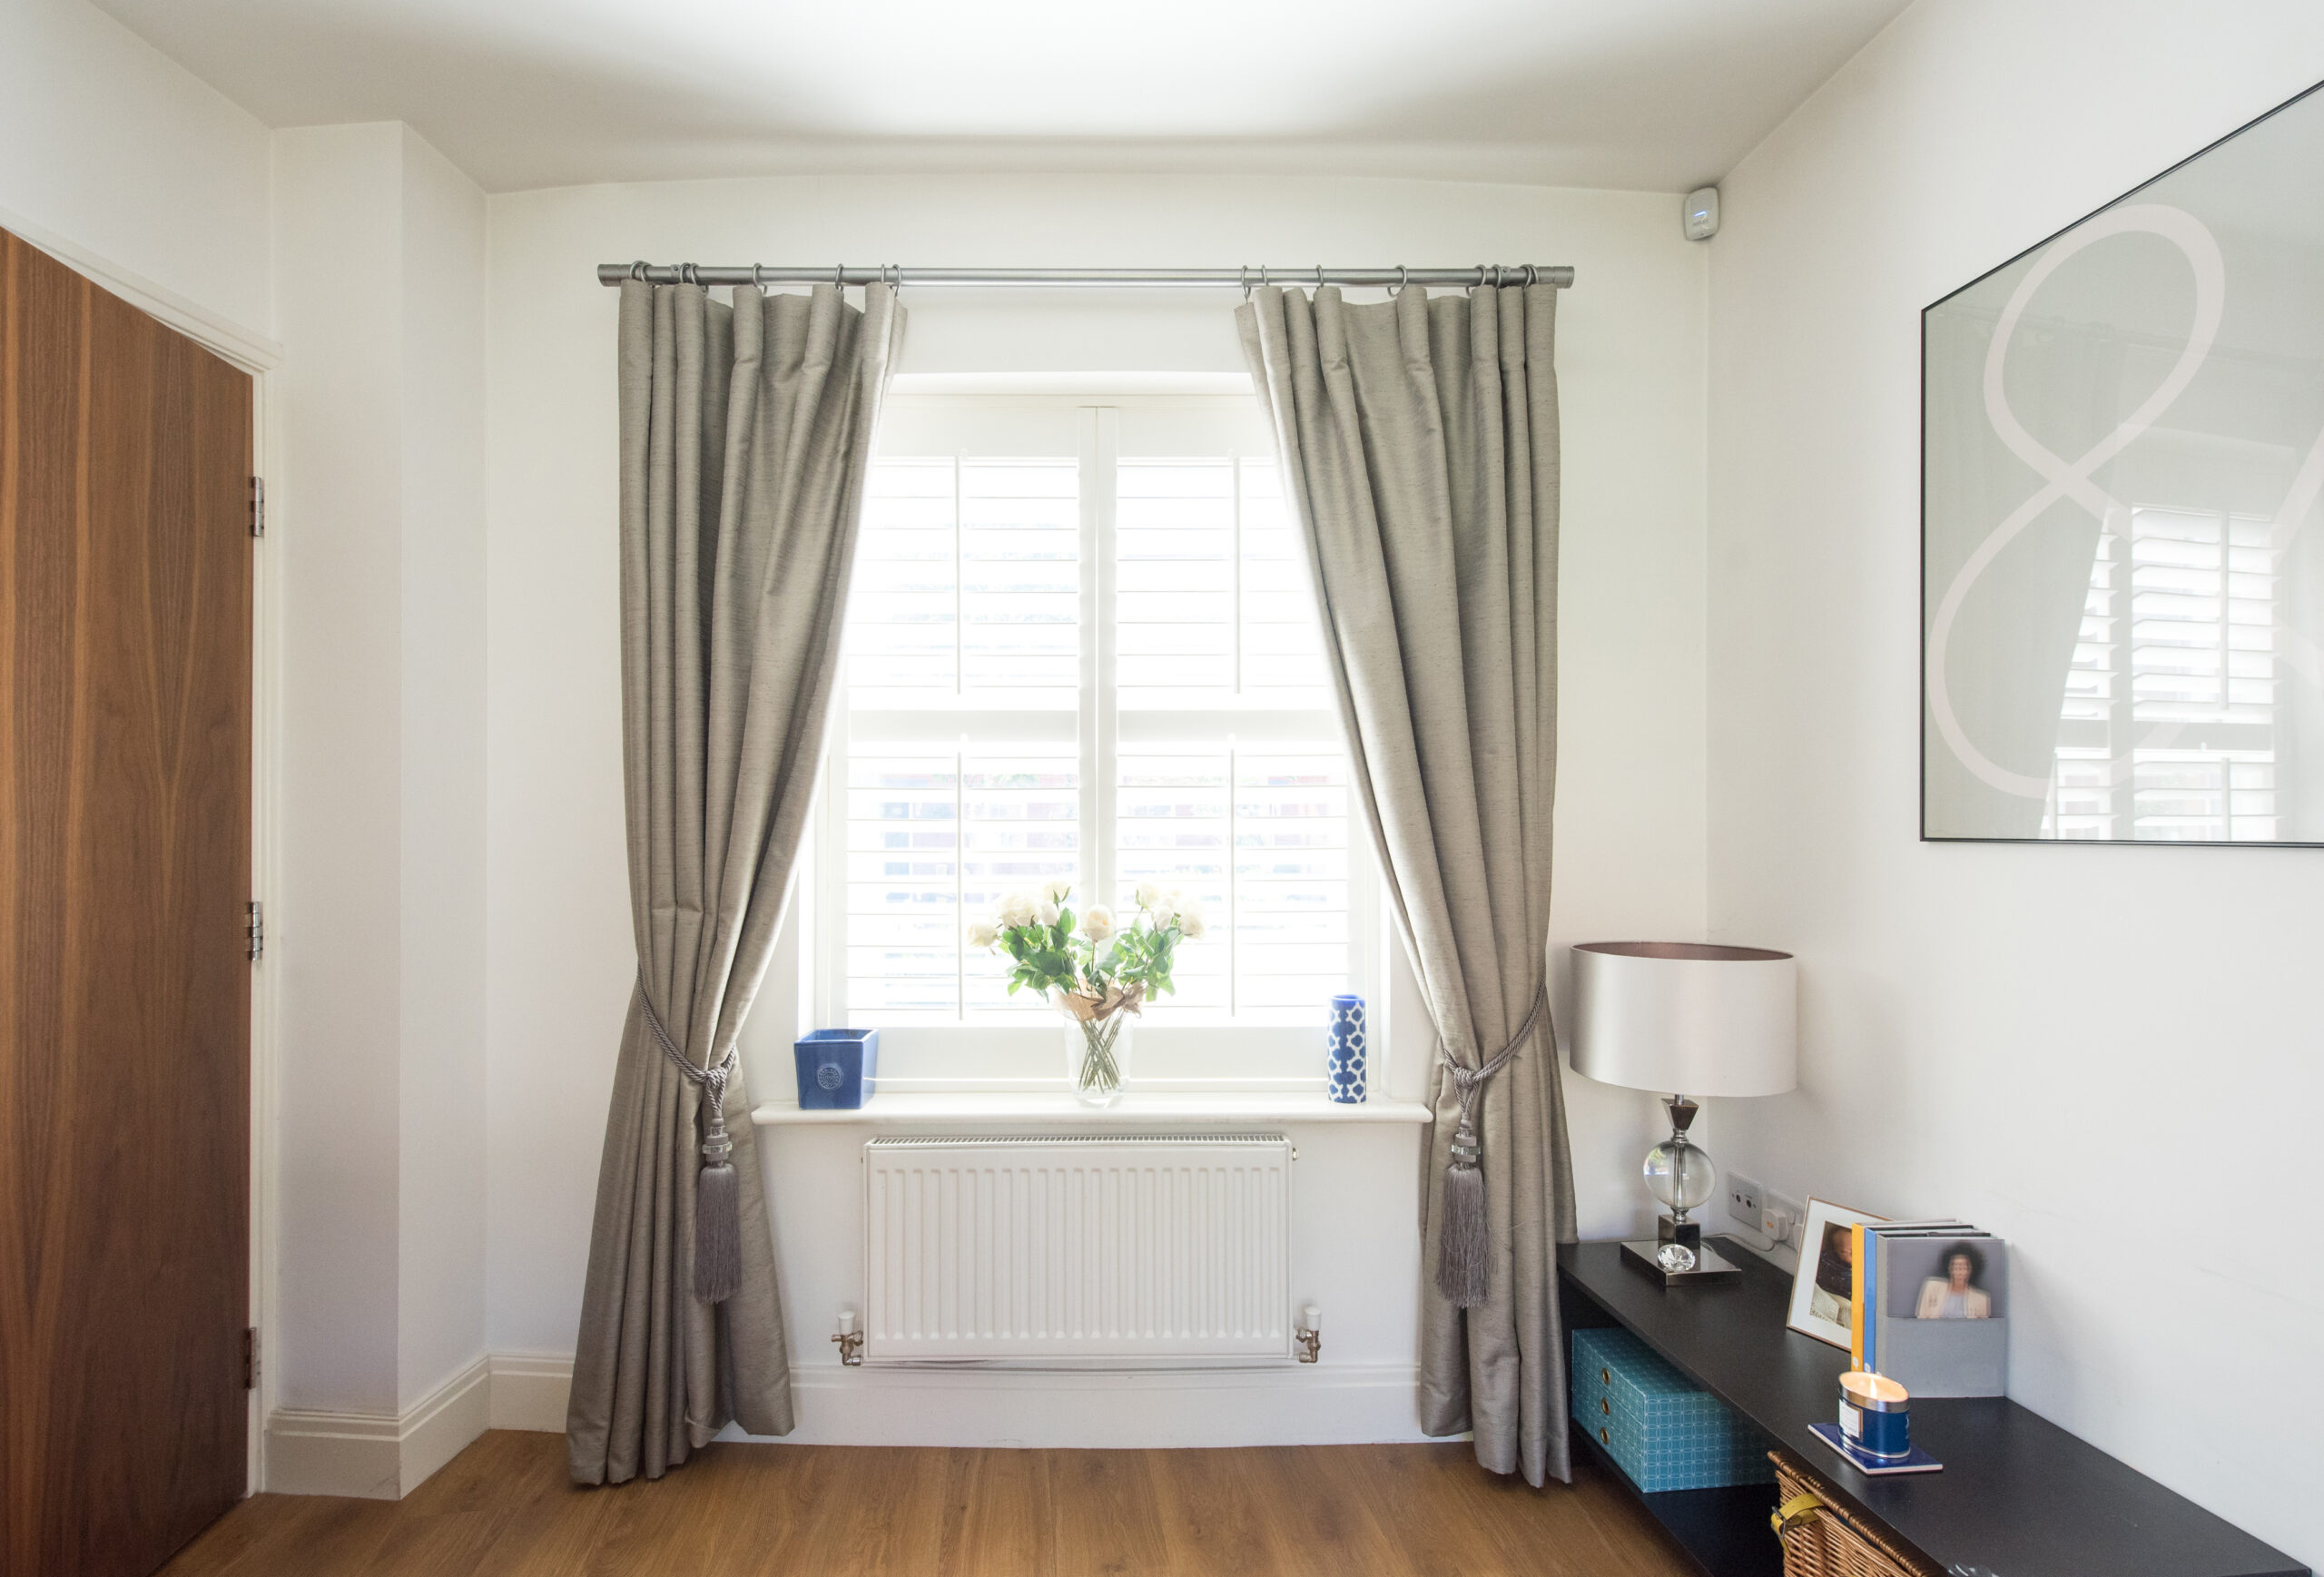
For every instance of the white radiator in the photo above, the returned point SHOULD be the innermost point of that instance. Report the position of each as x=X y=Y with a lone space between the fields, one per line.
x=1168 y=1247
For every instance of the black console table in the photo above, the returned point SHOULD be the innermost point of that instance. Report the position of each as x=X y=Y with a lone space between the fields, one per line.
x=2019 y=1496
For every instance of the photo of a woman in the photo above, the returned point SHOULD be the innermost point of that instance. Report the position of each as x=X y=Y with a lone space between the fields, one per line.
x=1955 y=1295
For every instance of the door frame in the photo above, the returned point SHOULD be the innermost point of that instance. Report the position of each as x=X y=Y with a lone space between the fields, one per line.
x=261 y=357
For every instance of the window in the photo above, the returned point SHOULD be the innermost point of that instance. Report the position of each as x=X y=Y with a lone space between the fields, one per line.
x=1081 y=644
x=2168 y=727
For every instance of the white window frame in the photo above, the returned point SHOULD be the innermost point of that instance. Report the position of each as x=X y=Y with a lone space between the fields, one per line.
x=1186 y=1056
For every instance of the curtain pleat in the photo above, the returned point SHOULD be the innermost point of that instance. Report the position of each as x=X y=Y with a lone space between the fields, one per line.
x=1419 y=445
x=745 y=439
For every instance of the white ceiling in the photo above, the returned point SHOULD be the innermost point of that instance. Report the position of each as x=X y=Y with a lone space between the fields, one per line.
x=1648 y=95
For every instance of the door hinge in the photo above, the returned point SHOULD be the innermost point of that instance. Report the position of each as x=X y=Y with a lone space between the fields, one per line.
x=254 y=931
x=258 y=506
x=249 y=1358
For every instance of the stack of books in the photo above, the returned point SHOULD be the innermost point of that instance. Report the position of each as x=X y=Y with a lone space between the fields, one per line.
x=1931 y=1309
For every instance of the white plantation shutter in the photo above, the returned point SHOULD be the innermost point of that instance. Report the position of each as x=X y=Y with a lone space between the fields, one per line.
x=902 y=843
x=1022 y=824
x=1173 y=829
x=966 y=586
x=1290 y=877
x=1283 y=657
x=1214 y=605
x=976 y=620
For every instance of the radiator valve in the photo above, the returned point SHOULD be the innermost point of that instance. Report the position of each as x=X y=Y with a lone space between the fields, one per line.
x=1309 y=1333
x=849 y=1339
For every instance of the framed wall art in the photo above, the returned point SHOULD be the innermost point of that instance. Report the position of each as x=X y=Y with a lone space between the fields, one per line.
x=2122 y=577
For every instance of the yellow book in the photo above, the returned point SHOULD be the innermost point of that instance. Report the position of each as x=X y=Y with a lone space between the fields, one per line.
x=1856 y=1296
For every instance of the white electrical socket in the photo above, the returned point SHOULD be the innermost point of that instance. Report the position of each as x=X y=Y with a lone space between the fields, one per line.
x=1743 y=1198
x=1780 y=1218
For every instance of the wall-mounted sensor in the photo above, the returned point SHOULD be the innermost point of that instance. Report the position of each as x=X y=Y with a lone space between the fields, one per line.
x=1701 y=220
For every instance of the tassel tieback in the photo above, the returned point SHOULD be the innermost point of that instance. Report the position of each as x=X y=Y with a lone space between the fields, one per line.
x=717 y=1206
x=1463 y=1256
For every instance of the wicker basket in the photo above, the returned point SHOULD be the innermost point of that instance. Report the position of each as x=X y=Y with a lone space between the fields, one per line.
x=1820 y=1540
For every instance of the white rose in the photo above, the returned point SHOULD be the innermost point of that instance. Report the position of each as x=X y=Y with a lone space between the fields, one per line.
x=983 y=933
x=1097 y=923
x=1056 y=890
x=1190 y=924
x=1045 y=912
x=1017 y=909
x=1148 y=895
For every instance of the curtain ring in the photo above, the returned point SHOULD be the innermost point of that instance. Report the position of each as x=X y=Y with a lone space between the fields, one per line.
x=1404 y=280
x=839 y=277
x=686 y=274
x=1263 y=276
x=1533 y=276
x=1243 y=274
x=756 y=283
x=1319 y=277
x=638 y=272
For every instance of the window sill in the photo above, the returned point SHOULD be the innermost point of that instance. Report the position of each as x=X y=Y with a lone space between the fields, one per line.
x=938 y=1108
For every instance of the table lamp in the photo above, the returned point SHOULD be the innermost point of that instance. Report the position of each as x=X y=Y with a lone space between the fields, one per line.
x=1684 y=1018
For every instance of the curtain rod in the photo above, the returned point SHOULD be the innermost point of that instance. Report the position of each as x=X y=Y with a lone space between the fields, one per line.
x=1247 y=279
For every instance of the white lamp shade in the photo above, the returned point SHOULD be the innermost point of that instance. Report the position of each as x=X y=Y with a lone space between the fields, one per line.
x=1685 y=1018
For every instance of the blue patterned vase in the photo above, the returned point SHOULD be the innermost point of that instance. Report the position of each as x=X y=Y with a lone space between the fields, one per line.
x=1343 y=1051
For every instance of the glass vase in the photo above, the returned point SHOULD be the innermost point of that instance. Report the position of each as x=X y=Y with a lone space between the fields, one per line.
x=1097 y=1056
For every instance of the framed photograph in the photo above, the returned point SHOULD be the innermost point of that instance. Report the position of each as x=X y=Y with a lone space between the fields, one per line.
x=1822 y=1289
x=2122 y=457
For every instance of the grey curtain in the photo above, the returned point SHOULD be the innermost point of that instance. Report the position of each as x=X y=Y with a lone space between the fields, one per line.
x=745 y=433
x=1419 y=445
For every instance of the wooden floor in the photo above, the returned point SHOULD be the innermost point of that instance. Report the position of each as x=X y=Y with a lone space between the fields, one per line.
x=503 y=1507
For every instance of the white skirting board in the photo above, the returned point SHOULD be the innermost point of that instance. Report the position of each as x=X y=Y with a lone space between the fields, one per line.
x=529 y=1390
x=1289 y=1404
x=384 y=1457
x=381 y=1456
x=1286 y=1405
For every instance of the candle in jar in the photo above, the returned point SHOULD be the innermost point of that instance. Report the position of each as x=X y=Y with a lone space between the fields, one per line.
x=1877 y=1387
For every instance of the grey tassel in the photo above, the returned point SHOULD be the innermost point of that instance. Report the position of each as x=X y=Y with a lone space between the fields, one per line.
x=1463 y=1245
x=717 y=1211
x=1461 y=1239
x=717 y=1200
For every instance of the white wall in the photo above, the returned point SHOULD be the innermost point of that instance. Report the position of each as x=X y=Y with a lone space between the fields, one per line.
x=1630 y=795
x=2100 y=1053
x=442 y=940
x=337 y=943
x=112 y=145
x=380 y=249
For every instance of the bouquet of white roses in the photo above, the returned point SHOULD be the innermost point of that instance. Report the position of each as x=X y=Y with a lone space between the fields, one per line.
x=1090 y=968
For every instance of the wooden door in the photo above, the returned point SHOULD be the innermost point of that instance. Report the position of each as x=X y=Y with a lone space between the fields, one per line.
x=125 y=566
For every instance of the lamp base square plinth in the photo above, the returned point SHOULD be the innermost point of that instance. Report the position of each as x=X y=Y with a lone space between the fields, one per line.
x=1709 y=1266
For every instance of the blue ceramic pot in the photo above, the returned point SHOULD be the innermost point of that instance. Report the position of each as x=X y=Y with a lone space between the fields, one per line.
x=1344 y=1052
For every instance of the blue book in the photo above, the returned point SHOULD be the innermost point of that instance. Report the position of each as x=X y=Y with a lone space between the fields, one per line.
x=1915 y=1461
x=1875 y=1287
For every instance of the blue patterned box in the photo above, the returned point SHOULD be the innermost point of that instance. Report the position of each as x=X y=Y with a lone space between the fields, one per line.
x=1666 y=1431
x=837 y=1069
